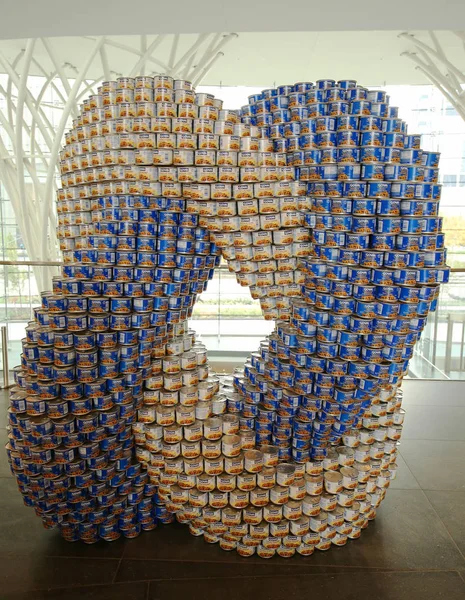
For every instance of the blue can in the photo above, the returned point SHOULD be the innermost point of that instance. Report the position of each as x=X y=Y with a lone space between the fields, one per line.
x=347 y=138
x=414 y=225
x=355 y=189
x=393 y=125
x=348 y=155
x=347 y=172
x=378 y=189
x=395 y=172
x=383 y=242
x=403 y=190
x=372 y=138
x=372 y=171
x=360 y=107
x=388 y=208
x=388 y=225
x=341 y=289
x=347 y=122
x=372 y=154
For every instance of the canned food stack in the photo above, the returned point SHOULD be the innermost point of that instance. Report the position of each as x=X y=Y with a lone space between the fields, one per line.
x=323 y=205
x=322 y=390
x=377 y=259
x=111 y=340
x=254 y=210
x=241 y=494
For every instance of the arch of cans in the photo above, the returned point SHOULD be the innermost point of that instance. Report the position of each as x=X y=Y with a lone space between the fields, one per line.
x=322 y=205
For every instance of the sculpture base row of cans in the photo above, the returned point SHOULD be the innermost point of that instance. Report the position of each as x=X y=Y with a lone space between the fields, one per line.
x=70 y=441
x=214 y=476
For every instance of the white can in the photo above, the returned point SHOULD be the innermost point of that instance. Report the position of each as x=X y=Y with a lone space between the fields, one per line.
x=279 y=530
x=259 y=531
x=153 y=432
x=203 y=410
x=205 y=483
x=398 y=416
x=266 y=478
x=231 y=445
x=380 y=435
x=312 y=538
x=253 y=461
x=211 y=448
x=345 y=456
x=212 y=429
x=314 y=468
x=377 y=450
x=230 y=424
x=239 y=499
x=186 y=482
x=214 y=466
x=292 y=510
x=252 y=515
x=279 y=495
x=166 y=415
x=211 y=515
x=273 y=513
x=225 y=482
x=285 y=474
x=384 y=479
x=336 y=517
x=244 y=550
x=300 y=526
x=311 y=505
x=363 y=471
x=345 y=498
x=234 y=465
x=349 y=478
x=193 y=466
x=171 y=450
x=172 y=434
x=264 y=552
x=270 y=456
x=194 y=432
x=246 y=481
x=259 y=497
x=362 y=453
x=333 y=482
x=197 y=498
x=331 y=461
x=217 y=499
x=231 y=516
x=185 y=415
x=190 y=449
x=188 y=394
x=351 y=512
x=366 y=436
x=318 y=522
x=360 y=492
x=291 y=542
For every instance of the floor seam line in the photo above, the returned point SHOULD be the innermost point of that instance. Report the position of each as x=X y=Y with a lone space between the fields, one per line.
x=444 y=525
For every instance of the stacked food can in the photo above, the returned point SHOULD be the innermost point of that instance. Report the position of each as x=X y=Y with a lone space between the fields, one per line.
x=110 y=344
x=327 y=209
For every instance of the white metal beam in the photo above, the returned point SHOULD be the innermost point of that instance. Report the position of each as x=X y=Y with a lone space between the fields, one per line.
x=433 y=62
x=61 y=128
x=140 y=64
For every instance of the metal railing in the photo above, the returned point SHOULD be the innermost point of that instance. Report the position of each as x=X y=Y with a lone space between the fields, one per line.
x=31 y=263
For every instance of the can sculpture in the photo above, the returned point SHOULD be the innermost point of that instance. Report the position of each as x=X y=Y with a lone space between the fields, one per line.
x=327 y=209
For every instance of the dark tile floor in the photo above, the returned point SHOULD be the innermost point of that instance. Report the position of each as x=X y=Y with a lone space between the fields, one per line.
x=414 y=550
